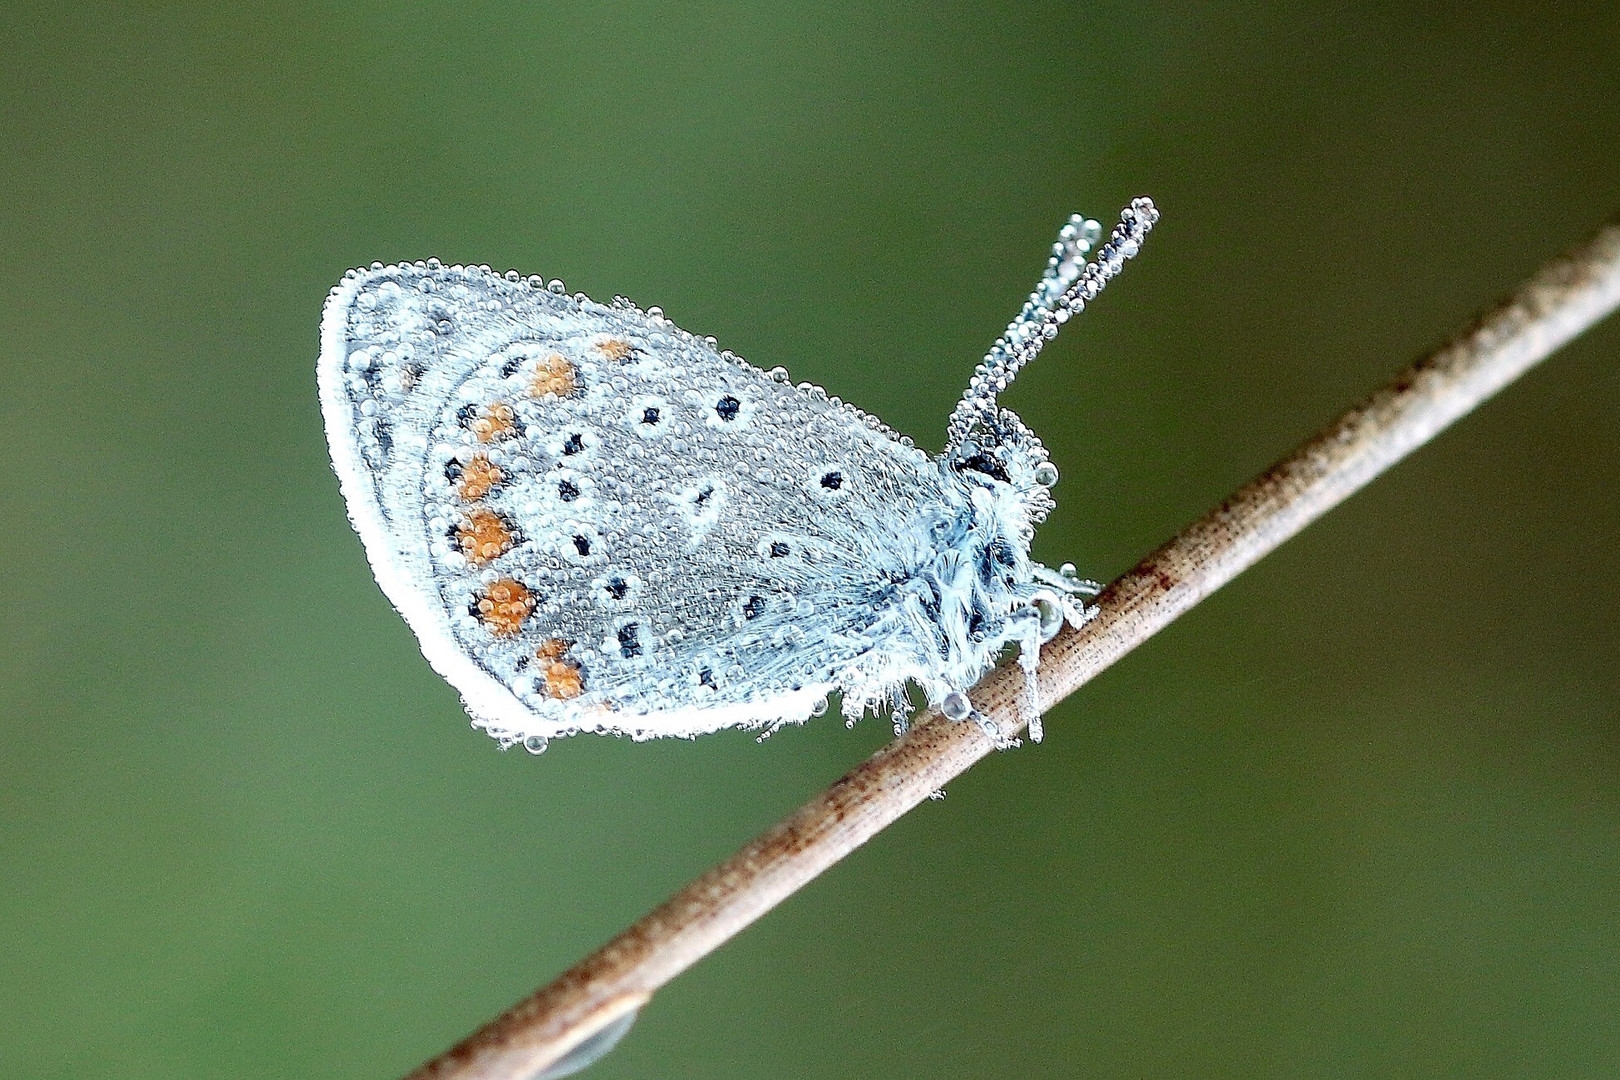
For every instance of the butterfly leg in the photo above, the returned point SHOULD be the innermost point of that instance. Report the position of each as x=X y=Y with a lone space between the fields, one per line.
x=993 y=729
x=1065 y=578
x=1029 y=658
x=1031 y=627
x=956 y=706
x=900 y=710
x=1072 y=592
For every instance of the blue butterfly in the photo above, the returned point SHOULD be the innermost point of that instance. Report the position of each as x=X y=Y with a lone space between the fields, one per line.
x=595 y=521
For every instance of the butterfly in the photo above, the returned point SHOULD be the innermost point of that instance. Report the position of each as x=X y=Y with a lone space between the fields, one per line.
x=595 y=521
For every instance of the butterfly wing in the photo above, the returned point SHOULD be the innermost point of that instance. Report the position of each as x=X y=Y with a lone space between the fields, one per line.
x=595 y=521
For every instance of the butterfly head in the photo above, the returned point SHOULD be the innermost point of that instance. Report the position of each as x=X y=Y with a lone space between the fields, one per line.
x=1008 y=463
x=990 y=441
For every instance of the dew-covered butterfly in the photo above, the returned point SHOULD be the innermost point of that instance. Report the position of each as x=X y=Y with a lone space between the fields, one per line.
x=596 y=522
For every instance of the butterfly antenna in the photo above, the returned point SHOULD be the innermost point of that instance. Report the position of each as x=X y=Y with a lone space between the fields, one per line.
x=1069 y=284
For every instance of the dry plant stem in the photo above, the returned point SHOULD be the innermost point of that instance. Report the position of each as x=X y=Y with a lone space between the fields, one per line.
x=1560 y=301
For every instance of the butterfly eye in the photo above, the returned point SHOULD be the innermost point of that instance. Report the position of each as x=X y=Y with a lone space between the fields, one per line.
x=989 y=466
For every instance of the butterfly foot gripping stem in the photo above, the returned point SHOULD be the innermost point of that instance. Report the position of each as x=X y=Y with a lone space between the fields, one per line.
x=991 y=728
x=955 y=706
x=1029 y=702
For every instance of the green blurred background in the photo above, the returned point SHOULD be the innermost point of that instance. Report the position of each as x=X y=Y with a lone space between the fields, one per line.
x=1356 y=816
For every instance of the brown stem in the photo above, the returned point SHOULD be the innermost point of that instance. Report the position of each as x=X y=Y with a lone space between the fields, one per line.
x=1559 y=301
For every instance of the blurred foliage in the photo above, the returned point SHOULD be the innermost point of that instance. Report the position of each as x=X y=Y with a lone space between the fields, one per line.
x=1358 y=815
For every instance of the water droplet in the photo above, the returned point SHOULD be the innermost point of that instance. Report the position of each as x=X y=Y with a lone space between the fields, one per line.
x=589 y=1052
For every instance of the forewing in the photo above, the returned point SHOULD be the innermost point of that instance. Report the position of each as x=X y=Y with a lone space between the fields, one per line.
x=594 y=521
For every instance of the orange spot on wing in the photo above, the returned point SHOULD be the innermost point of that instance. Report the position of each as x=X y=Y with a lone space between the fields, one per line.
x=492 y=422
x=614 y=349
x=484 y=535
x=563 y=680
x=478 y=477
x=554 y=376
x=504 y=605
